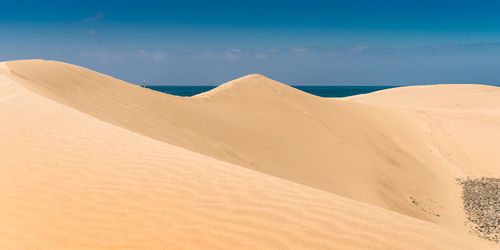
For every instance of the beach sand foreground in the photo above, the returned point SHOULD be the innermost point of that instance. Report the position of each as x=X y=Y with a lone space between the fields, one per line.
x=89 y=161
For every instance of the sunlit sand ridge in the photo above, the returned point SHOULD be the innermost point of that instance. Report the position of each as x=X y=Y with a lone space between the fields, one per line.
x=91 y=161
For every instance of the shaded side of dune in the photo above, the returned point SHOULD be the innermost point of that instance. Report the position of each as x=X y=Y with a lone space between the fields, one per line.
x=69 y=180
x=366 y=153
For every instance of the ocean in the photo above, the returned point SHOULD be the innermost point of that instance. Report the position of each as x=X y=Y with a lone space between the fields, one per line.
x=323 y=91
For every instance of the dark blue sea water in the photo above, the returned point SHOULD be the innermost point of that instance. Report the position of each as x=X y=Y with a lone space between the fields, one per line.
x=323 y=91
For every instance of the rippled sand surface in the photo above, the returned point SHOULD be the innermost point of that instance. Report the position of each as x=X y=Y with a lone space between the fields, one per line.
x=88 y=161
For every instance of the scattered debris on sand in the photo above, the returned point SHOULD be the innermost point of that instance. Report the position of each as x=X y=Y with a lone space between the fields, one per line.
x=481 y=197
x=422 y=207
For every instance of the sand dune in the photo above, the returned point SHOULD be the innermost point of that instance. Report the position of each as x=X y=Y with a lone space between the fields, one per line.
x=472 y=97
x=91 y=161
x=461 y=122
x=362 y=152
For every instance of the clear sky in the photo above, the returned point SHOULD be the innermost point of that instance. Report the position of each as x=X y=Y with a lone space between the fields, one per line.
x=312 y=42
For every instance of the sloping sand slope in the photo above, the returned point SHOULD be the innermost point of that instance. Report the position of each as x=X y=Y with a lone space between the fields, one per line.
x=462 y=122
x=69 y=180
x=371 y=154
x=450 y=96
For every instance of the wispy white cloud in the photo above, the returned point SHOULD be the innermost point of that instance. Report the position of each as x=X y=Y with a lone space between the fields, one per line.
x=202 y=55
x=156 y=56
x=301 y=50
x=358 y=48
x=103 y=55
x=265 y=54
x=159 y=56
x=262 y=56
x=114 y=56
x=92 y=32
x=96 y=17
x=233 y=55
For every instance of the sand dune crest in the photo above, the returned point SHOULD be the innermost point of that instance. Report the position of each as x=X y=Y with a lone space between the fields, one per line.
x=102 y=157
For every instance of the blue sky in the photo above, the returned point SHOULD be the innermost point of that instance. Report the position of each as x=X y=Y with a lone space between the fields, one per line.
x=297 y=42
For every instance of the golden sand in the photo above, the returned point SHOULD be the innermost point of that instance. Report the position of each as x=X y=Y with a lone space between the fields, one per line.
x=89 y=161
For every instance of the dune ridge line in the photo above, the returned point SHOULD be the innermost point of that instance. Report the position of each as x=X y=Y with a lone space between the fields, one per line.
x=348 y=171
